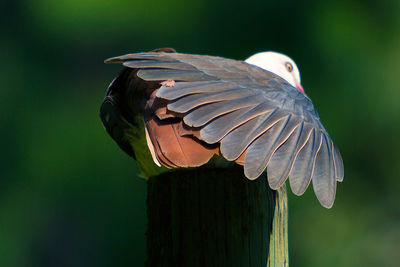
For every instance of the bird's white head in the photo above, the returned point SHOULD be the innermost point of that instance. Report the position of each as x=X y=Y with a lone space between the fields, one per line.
x=280 y=64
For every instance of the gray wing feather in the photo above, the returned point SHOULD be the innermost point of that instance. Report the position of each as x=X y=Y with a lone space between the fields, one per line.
x=189 y=102
x=186 y=88
x=323 y=178
x=141 y=56
x=213 y=131
x=203 y=114
x=261 y=150
x=339 y=168
x=282 y=160
x=242 y=106
x=236 y=141
x=302 y=170
x=172 y=74
x=218 y=128
x=146 y=63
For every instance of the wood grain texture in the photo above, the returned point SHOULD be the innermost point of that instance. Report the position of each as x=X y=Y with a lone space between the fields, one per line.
x=278 y=245
x=215 y=217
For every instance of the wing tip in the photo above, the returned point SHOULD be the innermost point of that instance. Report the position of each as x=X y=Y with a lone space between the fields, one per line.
x=113 y=60
x=338 y=161
x=326 y=197
x=327 y=204
x=165 y=92
x=251 y=177
x=252 y=173
x=297 y=189
x=274 y=187
x=275 y=181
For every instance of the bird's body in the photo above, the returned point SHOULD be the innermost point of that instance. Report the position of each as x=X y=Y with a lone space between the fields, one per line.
x=195 y=107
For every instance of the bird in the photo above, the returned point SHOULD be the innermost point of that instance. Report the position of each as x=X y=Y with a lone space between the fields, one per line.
x=184 y=109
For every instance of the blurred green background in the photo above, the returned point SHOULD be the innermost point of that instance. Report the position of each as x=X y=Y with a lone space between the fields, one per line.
x=70 y=197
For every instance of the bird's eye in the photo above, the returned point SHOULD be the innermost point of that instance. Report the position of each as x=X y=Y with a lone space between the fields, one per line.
x=289 y=67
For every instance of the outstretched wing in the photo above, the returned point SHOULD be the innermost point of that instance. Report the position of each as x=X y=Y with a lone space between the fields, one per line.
x=251 y=113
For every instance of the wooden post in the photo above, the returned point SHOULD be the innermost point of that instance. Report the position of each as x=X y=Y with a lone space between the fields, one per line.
x=278 y=245
x=215 y=217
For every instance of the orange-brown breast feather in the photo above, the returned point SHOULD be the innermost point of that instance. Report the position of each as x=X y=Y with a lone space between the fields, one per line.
x=174 y=150
x=174 y=144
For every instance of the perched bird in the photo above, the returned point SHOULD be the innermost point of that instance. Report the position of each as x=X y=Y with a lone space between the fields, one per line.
x=193 y=107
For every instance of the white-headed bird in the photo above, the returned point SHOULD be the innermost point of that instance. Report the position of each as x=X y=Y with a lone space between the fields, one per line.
x=255 y=112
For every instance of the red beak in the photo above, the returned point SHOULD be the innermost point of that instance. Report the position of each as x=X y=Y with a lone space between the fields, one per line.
x=300 y=88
